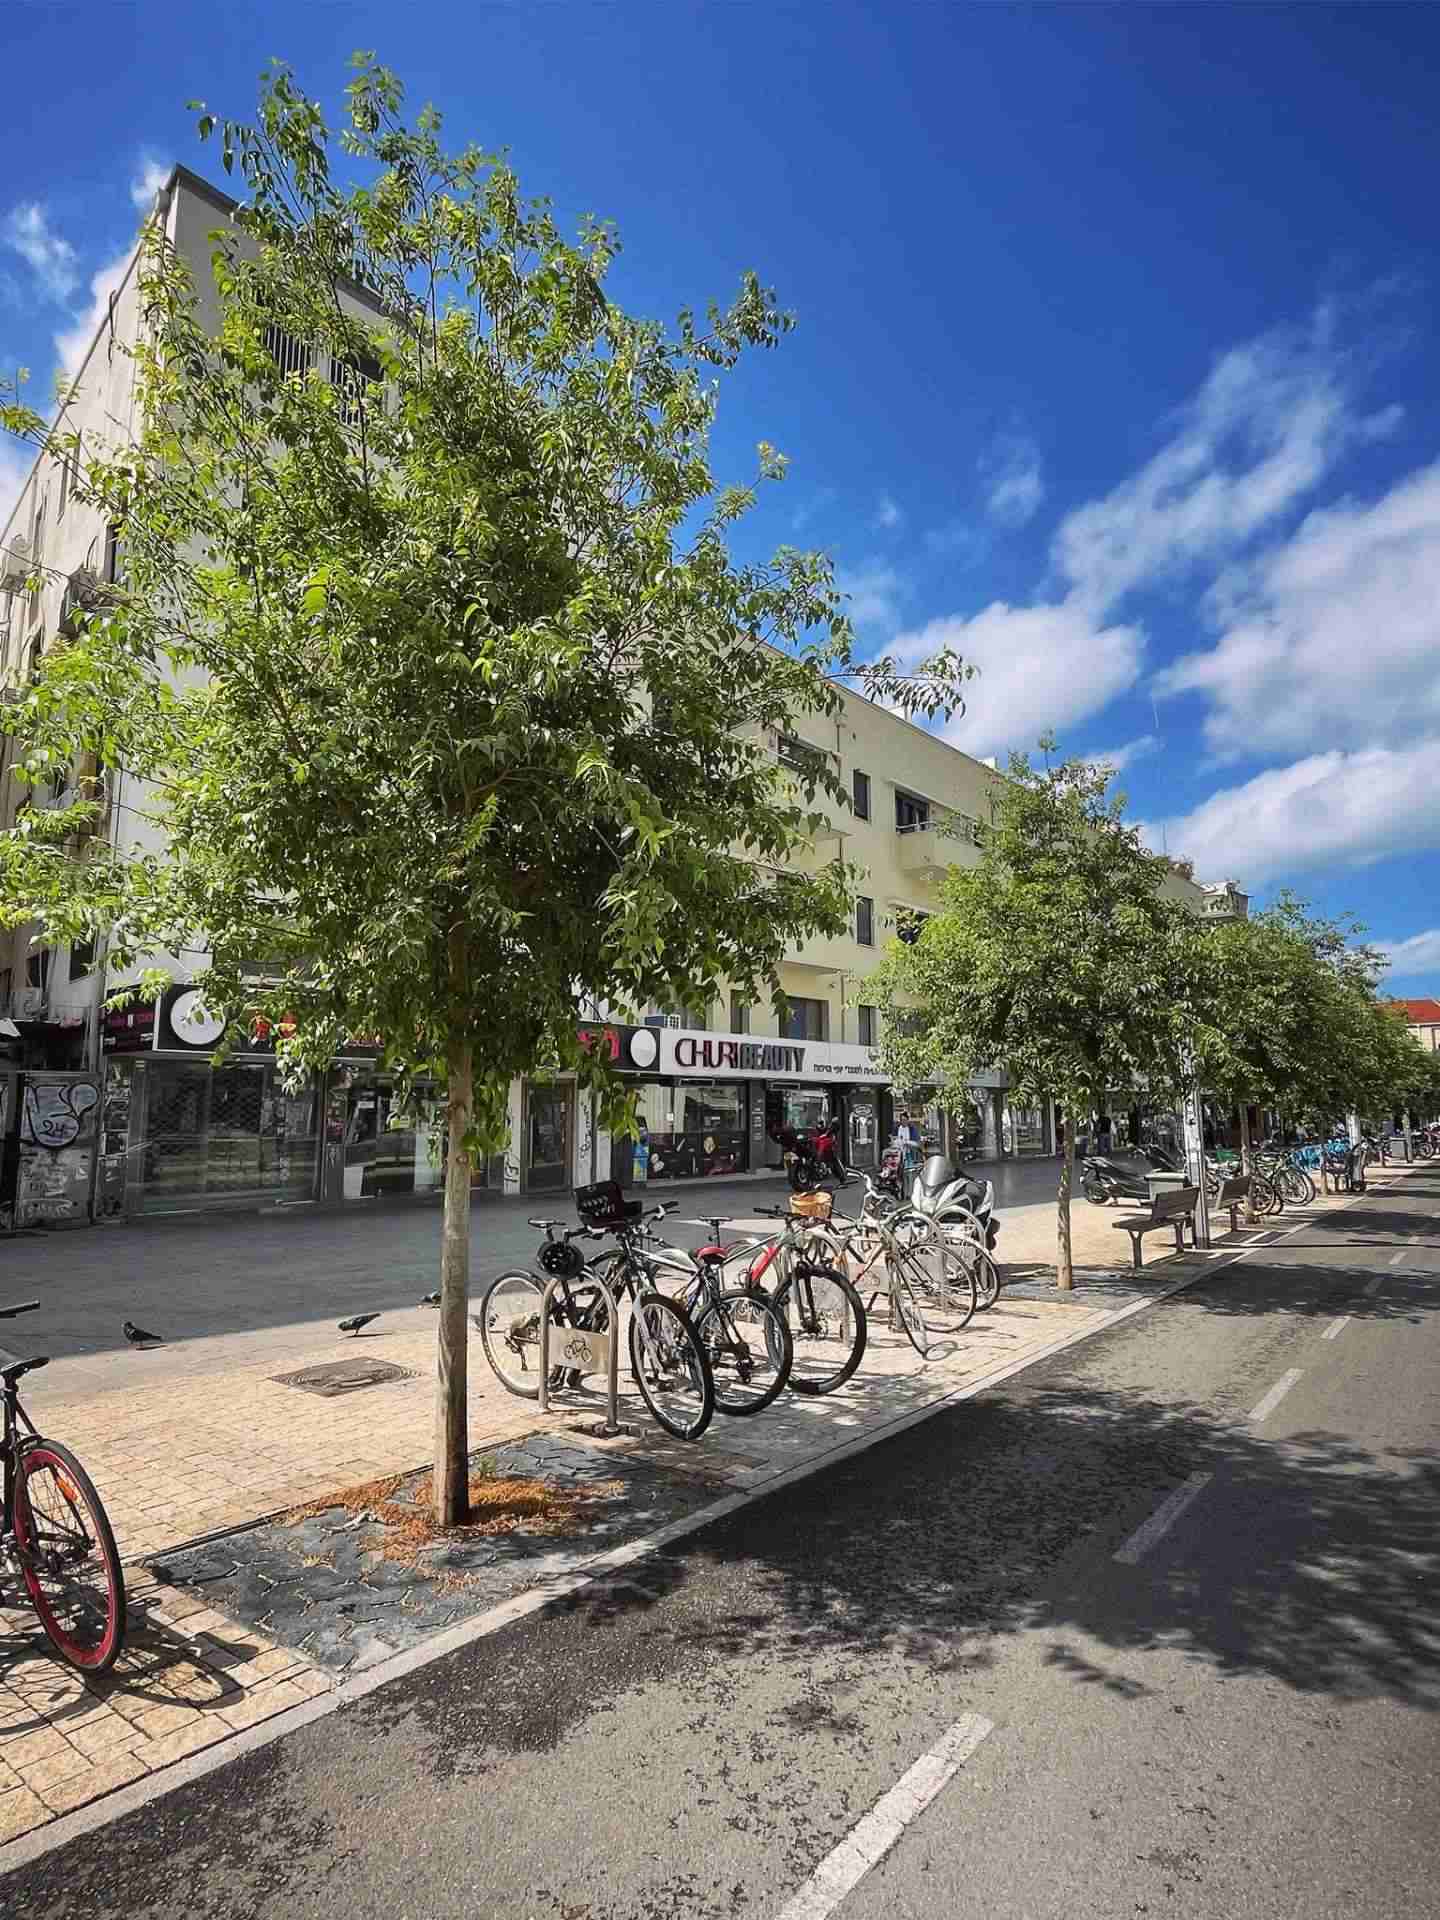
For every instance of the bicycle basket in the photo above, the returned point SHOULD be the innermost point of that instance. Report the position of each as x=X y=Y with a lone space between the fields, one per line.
x=604 y=1205
x=812 y=1206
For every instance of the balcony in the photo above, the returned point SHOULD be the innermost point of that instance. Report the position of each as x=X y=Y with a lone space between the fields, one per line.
x=929 y=847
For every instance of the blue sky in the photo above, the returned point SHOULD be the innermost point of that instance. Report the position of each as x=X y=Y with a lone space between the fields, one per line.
x=1114 y=365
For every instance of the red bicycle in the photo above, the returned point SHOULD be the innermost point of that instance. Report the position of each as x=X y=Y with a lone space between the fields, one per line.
x=55 y=1529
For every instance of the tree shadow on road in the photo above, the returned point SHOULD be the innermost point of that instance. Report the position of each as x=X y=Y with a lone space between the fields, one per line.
x=1004 y=1514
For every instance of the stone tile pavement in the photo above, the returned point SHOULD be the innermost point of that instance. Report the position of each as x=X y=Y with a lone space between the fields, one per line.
x=217 y=1442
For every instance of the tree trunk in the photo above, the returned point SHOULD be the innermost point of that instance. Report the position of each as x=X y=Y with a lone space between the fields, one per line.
x=1250 y=1213
x=452 y=1446
x=1064 y=1262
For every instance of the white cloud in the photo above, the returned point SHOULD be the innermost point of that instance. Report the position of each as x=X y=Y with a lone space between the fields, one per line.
x=71 y=342
x=1268 y=423
x=809 y=509
x=1012 y=473
x=959 y=542
x=1121 y=757
x=1328 y=809
x=1332 y=636
x=149 y=177
x=888 y=515
x=875 y=594
x=1040 y=667
x=50 y=257
x=1411 y=958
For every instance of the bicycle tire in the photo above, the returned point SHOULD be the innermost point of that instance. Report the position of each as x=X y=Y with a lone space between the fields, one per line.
x=809 y=1317
x=905 y=1309
x=37 y=1457
x=720 y=1324
x=943 y=1284
x=675 y=1355
x=506 y=1337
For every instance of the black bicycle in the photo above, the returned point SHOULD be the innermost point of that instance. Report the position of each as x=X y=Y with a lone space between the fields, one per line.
x=55 y=1530
x=667 y=1356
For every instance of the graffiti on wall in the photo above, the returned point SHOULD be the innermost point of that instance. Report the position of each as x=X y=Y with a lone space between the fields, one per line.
x=57 y=1151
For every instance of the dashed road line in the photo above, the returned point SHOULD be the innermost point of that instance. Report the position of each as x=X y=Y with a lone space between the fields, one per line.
x=846 y=1865
x=1396 y=1258
x=1161 y=1521
x=1336 y=1328
x=1372 y=1287
x=1276 y=1394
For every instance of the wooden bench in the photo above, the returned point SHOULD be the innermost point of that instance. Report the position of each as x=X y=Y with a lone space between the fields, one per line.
x=1170 y=1209
x=1233 y=1194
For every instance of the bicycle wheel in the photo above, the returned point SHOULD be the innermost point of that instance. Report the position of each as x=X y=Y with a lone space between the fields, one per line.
x=670 y=1367
x=905 y=1309
x=987 y=1276
x=69 y=1558
x=943 y=1283
x=827 y=1325
x=509 y=1323
x=749 y=1348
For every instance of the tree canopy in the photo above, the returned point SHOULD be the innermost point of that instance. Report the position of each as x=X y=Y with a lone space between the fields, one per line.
x=1057 y=956
x=431 y=656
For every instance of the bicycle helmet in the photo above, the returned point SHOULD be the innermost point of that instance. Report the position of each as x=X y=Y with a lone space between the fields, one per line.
x=563 y=1259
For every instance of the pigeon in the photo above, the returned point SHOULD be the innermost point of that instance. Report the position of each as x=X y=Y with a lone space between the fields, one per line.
x=138 y=1337
x=430 y=1300
x=360 y=1320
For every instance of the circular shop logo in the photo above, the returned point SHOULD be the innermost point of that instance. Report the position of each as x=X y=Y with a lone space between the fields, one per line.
x=644 y=1047
x=190 y=1022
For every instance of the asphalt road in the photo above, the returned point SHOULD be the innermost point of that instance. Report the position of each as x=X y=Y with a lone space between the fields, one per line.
x=1242 y=1722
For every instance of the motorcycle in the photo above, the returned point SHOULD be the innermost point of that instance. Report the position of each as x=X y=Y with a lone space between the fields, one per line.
x=1103 y=1180
x=812 y=1159
x=947 y=1196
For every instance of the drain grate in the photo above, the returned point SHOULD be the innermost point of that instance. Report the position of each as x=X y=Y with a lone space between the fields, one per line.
x=344 y=1376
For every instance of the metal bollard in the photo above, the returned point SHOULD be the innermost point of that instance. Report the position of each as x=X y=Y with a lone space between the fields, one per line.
x=612 y=1335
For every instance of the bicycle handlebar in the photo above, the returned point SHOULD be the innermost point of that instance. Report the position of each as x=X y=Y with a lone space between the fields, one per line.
x=22 y=1306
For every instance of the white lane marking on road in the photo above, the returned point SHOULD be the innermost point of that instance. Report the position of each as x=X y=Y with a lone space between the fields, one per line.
x=1276 y=1394
x=1161 y=1521
x=868 y=1843
x=1372 y=1287
x=1396 y=1258
x=1336 y=1328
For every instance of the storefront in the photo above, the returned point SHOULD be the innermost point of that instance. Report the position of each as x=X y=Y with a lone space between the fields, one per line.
x=713 y=1104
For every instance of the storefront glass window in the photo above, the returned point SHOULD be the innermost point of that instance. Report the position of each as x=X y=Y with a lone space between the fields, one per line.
x=693 y=1128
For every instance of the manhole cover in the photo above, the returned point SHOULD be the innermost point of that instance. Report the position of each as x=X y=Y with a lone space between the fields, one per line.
x=344 y=1376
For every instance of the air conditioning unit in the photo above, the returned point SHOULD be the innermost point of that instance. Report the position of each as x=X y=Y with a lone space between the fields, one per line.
x=14 y=564
x=28 y=1003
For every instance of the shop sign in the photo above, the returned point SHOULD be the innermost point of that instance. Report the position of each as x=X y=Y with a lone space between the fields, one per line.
x=736 y=1056
x=130 y=1029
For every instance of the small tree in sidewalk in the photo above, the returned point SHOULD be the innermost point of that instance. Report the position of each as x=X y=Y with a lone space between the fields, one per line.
x=431 y=654
x=1057 y=957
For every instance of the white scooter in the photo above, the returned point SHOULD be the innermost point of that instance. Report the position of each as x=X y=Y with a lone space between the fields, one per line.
x=951 y=1199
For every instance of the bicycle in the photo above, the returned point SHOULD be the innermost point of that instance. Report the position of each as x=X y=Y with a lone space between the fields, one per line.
x=818 y=1303
x=667 y=1359
x=54 y=1525
x=936 y=1280
x=747 y=1338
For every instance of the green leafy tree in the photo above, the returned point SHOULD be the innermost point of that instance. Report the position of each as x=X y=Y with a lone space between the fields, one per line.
x=431 y=654
x=1057 y=956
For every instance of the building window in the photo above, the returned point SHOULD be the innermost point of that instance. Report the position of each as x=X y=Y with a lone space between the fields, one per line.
x=290 y=354
x=82 y=958
x=862 y=795
x=350 y=375
x=62 y=496
x=803 y=1019
x=739 y=1015
x=37 y=967
x=798 y=755
x=865 y=921
x=865 y=1022
x=911 y=812
x=113 y=562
